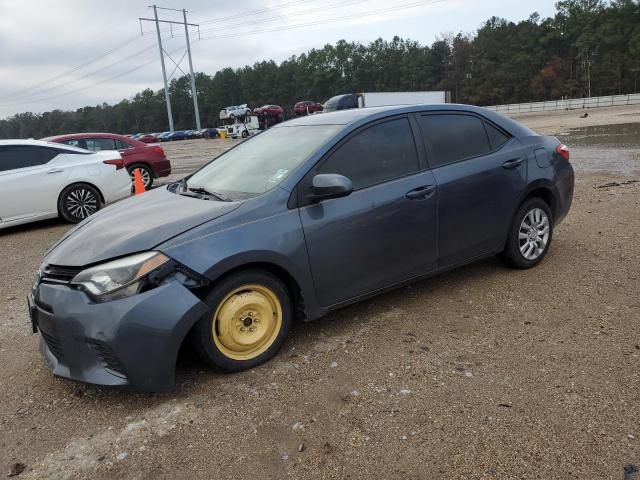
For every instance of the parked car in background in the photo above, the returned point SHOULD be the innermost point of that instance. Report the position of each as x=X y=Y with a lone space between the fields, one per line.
x=150 y=160
x=231 y=256
x=306 y=107
x=178 y=135
x=272 y=111
x=147 y=138
x=209 y=132
x=40 y=180
x=164 y=136
x=234 y=111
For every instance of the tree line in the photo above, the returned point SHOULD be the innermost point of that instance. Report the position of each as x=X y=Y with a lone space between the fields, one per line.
x=588 y=48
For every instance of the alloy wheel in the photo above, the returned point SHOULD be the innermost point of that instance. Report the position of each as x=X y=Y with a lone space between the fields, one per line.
x=533 y=235
x=81 y=203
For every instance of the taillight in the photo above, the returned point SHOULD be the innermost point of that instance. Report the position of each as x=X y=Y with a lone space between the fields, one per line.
x=563 y=151
x=119 y=163
x=158 y=150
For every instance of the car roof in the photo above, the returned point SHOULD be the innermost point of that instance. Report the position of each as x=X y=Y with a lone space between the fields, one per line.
x=41 y=143
x=79 y=136
x=358 y=116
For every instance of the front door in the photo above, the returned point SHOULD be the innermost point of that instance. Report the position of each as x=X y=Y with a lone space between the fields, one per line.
x=386 y=230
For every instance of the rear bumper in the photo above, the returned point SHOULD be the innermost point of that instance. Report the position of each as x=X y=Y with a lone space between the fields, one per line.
x=162 y=168
x=565 y=186
x=131 y=342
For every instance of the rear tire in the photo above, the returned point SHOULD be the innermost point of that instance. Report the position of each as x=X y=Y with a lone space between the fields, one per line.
x=145 y=171
x=78 y=201
x=530 y=235
x=251 y=317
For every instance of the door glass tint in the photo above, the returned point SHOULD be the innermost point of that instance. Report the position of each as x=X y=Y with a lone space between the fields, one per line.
x=454 y=137
x=496 y=137
x=121 y=145
x=23 y=156
x=99 y=144
x=379 y=153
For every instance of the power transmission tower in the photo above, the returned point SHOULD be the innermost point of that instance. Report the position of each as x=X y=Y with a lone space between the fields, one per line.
x=162 y=54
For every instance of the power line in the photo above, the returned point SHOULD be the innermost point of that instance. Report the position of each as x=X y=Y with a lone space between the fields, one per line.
x=329 y=20
x=278 y=17
x=86 y=75
x=76 y=68
x=121 y=74
x=255 y=12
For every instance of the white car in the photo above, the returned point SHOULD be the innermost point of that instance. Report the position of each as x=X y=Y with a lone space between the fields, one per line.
x=233 y=112
x=40 y=180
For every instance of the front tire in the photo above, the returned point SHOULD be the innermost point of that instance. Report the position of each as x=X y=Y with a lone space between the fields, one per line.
x=78 y=201
x=530 y=235
x=251 y=317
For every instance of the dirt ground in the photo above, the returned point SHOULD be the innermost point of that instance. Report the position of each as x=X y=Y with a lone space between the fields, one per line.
x=482 y=372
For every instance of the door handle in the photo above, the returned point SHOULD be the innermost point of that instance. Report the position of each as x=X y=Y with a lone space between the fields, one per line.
x=55 y=170
x=513 y=164
x=421 y=193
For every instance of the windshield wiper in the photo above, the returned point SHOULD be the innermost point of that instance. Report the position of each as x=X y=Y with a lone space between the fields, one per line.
x=204 y=191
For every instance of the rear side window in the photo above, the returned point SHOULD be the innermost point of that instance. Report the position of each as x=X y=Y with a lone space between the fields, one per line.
x=73 y=143
x=23 y=156
x=382 y=152
x=496 y=137
x=121 y=145
x=454 y=137
x=100 y=144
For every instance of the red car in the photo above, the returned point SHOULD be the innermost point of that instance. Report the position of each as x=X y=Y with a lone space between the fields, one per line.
x=150 y=159
x=273 y=111
x=306 y=107
x=147 y=138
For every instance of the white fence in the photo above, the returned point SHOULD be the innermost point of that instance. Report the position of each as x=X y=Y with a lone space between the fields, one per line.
x=572 y=104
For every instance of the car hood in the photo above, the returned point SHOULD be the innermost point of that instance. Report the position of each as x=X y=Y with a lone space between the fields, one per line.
x=134 y=225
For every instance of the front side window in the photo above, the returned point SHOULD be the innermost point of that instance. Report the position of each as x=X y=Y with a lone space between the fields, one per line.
x=100 y=144
x=263 y=162
x=454 y=137
x=380 y=153
x=23 y=156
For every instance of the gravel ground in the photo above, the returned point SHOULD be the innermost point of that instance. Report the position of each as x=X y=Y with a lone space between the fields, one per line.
x=482 y=372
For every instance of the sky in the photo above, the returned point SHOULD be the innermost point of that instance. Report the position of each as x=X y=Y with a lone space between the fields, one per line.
x=72 y=53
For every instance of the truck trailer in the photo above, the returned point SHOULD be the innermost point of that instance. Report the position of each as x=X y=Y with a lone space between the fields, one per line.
x=381 y=99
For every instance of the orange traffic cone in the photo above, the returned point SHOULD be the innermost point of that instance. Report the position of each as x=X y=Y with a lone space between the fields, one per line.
x=138 y=184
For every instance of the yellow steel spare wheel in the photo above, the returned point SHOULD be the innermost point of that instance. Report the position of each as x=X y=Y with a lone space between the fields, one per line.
x=247 y=322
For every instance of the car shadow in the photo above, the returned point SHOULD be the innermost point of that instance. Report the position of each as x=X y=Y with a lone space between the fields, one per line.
x=36 y=226
x=304 y=338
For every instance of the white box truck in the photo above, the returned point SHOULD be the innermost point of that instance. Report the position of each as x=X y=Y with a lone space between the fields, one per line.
x=381 y=99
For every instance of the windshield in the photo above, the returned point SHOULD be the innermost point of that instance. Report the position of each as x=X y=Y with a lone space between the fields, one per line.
x=261 y=163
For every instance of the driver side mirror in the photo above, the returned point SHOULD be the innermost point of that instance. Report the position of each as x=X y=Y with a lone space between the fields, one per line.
x=329 y=185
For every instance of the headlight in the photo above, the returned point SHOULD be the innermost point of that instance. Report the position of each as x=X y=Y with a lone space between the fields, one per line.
x=119 y=278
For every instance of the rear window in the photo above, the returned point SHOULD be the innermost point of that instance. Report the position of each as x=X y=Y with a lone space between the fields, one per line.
x=100 y=144
x=454 y=137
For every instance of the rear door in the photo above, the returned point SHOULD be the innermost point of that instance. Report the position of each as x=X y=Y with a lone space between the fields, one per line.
x=30 y=180
x=385 y=231
x=481 y=174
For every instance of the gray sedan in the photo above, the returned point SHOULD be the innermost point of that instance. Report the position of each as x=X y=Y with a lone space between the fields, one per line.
x=311 y=215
